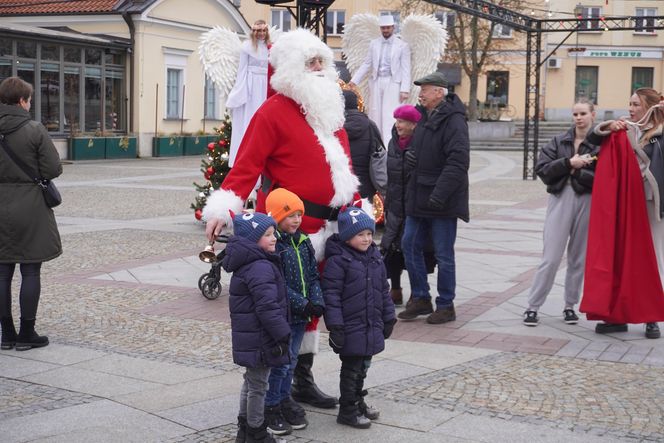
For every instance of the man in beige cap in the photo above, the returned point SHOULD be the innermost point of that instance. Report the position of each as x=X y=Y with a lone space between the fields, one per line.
x=436 y=196
x=388 y=63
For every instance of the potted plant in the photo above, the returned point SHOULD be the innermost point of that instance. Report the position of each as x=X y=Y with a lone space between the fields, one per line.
x=123 y=146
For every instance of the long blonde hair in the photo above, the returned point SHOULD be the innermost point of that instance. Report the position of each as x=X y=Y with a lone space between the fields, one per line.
x=649 y=99
x=254 y=40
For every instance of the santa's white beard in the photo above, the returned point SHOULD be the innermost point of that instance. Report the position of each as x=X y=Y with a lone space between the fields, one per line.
x=319 y=96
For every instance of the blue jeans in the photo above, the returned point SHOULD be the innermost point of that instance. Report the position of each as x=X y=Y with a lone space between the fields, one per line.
x=281 y=377
x=443 y=233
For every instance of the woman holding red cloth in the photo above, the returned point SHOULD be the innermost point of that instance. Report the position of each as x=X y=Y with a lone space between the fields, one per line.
x=624 y=264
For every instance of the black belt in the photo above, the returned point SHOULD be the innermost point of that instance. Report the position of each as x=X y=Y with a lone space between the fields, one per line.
x=311 y=209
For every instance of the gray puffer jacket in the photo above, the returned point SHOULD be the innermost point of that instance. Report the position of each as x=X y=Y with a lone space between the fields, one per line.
x=28 y=231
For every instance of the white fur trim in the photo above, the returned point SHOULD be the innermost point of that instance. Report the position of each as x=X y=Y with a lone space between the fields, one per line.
x=344 y=181
x=318 y=239
x=367 y=207
x=219 y=203
x=310 y=342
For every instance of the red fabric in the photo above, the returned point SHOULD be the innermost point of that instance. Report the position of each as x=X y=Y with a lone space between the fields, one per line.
x=622 y=283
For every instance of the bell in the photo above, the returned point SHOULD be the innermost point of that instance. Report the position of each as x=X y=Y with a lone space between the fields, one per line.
x=208 y=255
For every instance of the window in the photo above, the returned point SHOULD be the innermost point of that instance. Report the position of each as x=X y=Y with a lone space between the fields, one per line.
x=281 y=18
x=497 y=87
x=210 y=106
x=446 y=18
x=586 y=83
x=93 y=99
x=335 y=21
x=50 y=96
x=501 y=31
x=176 y=63
x=397 y=19
x=114 y=100
x=641 y=23
x=642 y=78
x=590 y=12
x=173 y=86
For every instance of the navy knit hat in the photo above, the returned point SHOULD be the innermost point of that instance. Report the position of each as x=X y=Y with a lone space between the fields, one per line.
x=353 y=220
x=252 y=226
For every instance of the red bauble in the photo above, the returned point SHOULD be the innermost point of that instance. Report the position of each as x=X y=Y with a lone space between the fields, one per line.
x=223 y=143
x=210 y=147
x=210 y=170
x=198 y=214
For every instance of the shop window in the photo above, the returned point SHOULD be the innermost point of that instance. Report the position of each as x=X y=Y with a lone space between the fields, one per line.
x=642 y=78
x=26 y=71
x=26 y=49
x=72 y=99
x=497 y=87
x=5 y=68
x=114 y=100
x=586 y=83
x=50 y=96
x=72 y=54
x=6 y=47
x=93 y=102
x=335 y=21
x=647 y=20
x=50 y=52
x=92 y=57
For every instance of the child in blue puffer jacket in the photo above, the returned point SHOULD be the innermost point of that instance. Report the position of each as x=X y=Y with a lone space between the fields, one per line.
x=282 y=413
x=359 y=312
x=259 y=316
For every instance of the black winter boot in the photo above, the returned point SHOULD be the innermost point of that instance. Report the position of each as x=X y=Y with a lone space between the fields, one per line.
x=27 y=337
x=259 y=435
x=304 y=388
x=8 y=333
x=241 y=436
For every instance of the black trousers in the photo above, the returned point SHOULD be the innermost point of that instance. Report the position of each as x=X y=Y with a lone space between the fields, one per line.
x=351 y=383
x=29 y=293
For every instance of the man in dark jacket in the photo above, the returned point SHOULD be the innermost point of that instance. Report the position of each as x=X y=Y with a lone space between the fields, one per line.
x=437 y=195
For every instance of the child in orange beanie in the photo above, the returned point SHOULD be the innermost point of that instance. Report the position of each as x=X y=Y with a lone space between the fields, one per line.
x=305 y=296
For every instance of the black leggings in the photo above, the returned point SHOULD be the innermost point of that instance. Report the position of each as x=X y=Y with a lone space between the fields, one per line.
x=395 y=277
x=30 y=289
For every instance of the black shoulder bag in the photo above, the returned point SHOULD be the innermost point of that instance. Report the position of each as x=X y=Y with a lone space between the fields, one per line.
x=51 y=194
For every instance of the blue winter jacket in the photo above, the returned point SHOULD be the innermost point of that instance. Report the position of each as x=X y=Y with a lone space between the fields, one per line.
x=258 y=304
x=356 y=297
x=301 y=272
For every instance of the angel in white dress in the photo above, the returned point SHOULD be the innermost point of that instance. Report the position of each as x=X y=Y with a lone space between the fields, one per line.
x=413 y=54
x=240 y=65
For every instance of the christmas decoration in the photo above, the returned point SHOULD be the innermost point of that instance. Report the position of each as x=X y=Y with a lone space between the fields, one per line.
x=214 y=166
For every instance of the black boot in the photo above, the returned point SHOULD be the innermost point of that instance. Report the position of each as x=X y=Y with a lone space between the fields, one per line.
x=305 y=389
x=259 y=435
x=241 y=436
x=27 y=337
x=8 y=333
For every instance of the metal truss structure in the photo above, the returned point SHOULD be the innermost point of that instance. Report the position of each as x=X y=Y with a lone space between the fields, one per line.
x=534 y=29
x=309 y=14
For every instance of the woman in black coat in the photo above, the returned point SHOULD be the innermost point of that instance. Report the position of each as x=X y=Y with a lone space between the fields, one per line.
x=28 y=231
x=363 y=135
x=406 y=117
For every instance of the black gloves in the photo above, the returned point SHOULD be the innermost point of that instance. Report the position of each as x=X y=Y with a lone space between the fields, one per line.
x=388 y=327
x=436 y=204
x=282 y=348
x=337 y=339
x=410 y=159
x=312 y=310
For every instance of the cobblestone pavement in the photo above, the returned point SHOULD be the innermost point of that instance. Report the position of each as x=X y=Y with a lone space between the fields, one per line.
x=133 y=340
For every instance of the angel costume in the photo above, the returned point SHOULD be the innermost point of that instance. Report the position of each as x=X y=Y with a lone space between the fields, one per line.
x=248 y=93
x=390 y=64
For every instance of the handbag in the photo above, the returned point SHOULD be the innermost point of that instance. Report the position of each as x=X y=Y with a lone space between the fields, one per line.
x=377 y=161
x=51 y=194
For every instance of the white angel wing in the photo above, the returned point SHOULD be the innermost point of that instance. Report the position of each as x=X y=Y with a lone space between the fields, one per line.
x=219 y=52
x=358 y=33
x=427 y=39
x=275 y=33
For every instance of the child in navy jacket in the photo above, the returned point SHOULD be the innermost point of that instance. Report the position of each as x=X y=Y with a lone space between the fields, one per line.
x=359 y=312
x=259 y=316
x=305 y=296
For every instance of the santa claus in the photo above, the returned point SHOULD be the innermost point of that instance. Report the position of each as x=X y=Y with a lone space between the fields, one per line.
x=295 y=141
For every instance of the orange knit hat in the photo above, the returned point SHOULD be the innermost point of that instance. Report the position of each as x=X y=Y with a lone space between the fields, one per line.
x=281 y=203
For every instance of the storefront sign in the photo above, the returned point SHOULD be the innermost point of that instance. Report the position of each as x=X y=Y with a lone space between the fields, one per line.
x=617 y=53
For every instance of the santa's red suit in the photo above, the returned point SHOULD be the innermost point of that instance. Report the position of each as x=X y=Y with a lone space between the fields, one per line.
x=296 y=141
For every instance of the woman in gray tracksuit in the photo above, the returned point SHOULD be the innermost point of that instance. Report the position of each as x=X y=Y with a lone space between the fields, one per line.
x=566 y=166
